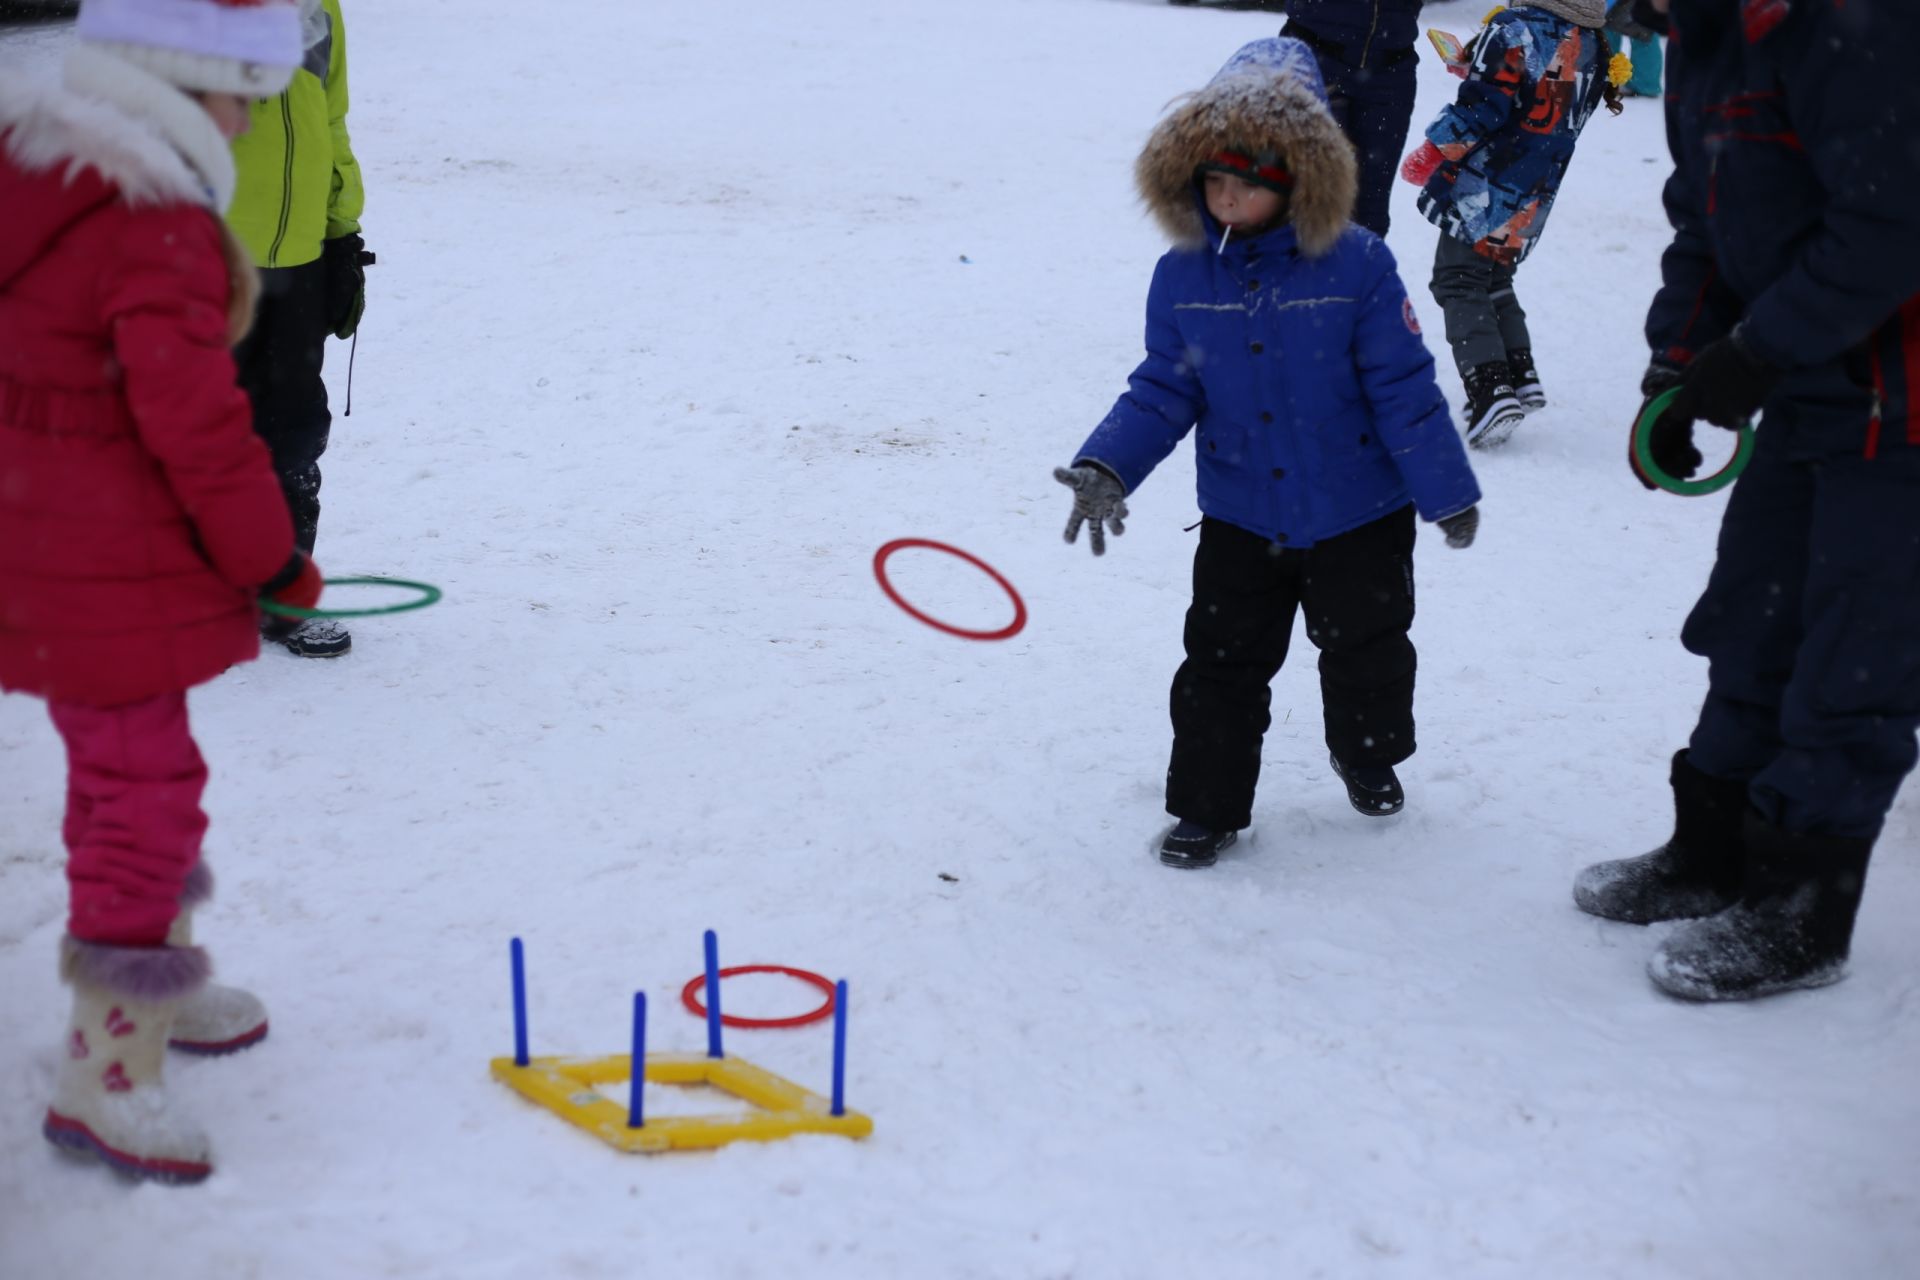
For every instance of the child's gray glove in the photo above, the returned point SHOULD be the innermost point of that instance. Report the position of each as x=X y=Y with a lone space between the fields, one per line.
x=1099 y=497
x=1460 y=528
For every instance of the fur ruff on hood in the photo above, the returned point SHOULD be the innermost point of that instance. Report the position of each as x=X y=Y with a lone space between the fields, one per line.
x=1259 y=106
x=153 y=143
x=1591 y=14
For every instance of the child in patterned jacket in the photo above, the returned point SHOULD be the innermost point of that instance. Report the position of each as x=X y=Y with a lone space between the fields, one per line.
x=1488 y=173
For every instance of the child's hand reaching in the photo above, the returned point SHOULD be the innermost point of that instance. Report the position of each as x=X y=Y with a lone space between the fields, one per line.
x=297 y=584
x=1099 y=497
x=1460 y=528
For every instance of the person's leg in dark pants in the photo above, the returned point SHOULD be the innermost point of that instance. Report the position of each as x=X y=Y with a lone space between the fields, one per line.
x=1381 y=109
x=280 y=371
x=1464 y=284
x=279 y=364
x=1811 y=627
x=1357 y=593
x=1246 y=591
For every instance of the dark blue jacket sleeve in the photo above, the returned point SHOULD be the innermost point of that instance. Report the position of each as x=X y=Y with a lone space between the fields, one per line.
x=1409 y=411
x=1162 y=401
x=1854 y=100
x=1694 y=306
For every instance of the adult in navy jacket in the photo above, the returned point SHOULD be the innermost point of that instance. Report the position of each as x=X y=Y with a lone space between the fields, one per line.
x=1791 y=288
x=1293 y=350
x=1366 y=54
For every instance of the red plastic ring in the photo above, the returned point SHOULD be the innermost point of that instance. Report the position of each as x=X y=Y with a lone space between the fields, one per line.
x=700 y=1011
x=1007 y=632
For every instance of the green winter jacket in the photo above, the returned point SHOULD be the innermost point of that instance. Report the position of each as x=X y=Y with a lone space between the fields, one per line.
x=298 y=181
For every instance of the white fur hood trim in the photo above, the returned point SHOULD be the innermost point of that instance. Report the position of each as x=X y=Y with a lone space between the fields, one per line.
x=152 y=142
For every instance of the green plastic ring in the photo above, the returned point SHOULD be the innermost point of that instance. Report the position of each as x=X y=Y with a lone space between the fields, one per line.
x=1643 y=453
x=429 y=594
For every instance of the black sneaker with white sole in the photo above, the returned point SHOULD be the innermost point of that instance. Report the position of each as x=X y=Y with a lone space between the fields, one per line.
x=1526 y=379
x=1493 y=410
x=1373 y=789
x=310 y=638
x=1190 y=845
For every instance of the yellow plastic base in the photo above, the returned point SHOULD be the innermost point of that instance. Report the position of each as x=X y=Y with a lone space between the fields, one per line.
x=565 y=1086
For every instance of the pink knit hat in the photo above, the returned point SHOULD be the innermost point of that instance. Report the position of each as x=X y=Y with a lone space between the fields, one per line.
x=244 y=47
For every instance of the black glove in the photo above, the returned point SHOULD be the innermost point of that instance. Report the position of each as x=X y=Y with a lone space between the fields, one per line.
x=1460 y=527
x=1099 y=497
x=1671 y=440
x=347 y=261
x=1726 y=384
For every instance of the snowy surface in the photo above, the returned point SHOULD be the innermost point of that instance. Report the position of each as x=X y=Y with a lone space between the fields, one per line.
x=682 y=310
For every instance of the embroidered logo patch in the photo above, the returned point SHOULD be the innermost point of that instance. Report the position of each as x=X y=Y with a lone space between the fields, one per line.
x=1406 y=313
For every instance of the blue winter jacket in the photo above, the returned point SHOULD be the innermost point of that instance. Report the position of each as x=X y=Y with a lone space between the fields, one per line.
x=1295 y=352
x=1795 y=204
x=1534 y=81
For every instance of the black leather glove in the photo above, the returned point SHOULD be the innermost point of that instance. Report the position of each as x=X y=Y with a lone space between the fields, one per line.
x=347 y=261
x=1726 y=384
x=1671 y=440
x=1460 y=527
x=1099 y=497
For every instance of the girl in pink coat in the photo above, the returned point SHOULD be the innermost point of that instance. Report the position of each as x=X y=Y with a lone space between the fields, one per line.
x=139 y=517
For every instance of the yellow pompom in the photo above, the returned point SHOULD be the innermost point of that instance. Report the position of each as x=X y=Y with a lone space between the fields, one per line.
x=1619 y=70
x=1499 y=8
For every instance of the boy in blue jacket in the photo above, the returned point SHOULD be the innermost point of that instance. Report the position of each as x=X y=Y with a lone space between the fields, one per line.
x=1283 y=333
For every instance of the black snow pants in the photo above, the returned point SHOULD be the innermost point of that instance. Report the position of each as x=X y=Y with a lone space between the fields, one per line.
x=1357 y=593
x=1810 y=623
x=280 y=372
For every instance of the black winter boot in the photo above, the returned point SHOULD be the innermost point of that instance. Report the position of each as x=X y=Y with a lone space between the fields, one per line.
x=1791 y=928
x=1372 y=789
x=1190 y=845
x=1526 y=379
x=1493 y=410
x=1695 y=873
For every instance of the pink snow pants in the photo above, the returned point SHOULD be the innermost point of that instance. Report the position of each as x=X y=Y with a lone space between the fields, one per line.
x=134 y=823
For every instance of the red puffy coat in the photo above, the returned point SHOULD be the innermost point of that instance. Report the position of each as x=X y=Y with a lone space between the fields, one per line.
x=139 y=513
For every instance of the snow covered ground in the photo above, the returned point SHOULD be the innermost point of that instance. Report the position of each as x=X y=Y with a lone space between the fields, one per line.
x=681 y=311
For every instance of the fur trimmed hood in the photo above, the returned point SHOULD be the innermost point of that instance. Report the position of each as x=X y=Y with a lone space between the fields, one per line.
x=139 y=133
x=1268 y=97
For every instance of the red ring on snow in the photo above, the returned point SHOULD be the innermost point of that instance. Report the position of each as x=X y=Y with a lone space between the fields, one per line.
x=699 y=1010
x=1007 y=632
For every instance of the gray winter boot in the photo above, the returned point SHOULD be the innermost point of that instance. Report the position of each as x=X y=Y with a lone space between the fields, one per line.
x=1791 y=928
x=214 y=1020
x=1695 y=873
x=110 y=1099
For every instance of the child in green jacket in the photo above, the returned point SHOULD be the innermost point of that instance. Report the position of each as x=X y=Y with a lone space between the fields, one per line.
x=297 y=210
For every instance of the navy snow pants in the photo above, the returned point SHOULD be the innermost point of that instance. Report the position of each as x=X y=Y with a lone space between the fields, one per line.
x=1811 y=627
x=1373 y=106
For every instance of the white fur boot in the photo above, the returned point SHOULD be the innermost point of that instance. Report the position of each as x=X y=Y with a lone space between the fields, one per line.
x=213 y=1020
x=110 y=1101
